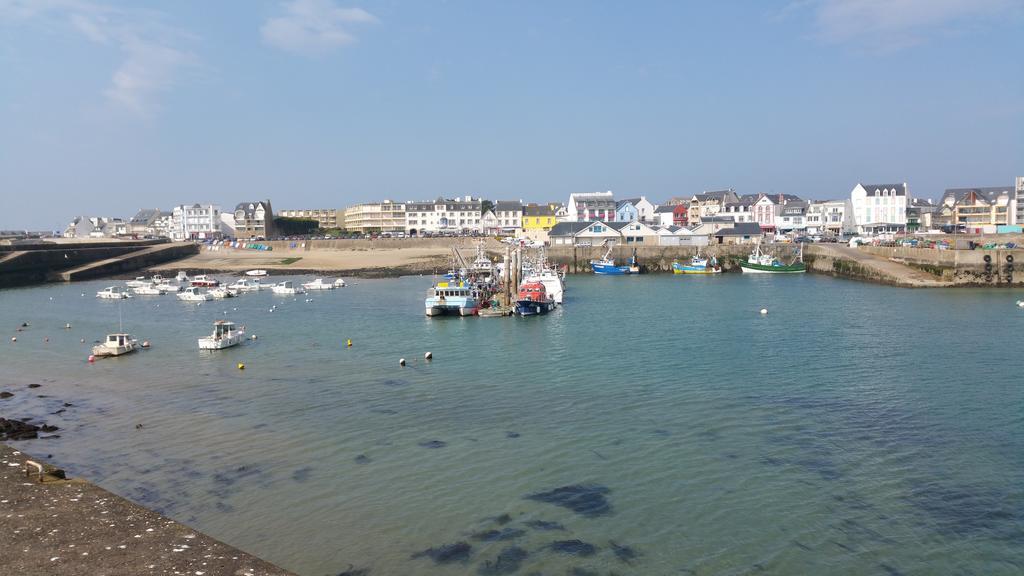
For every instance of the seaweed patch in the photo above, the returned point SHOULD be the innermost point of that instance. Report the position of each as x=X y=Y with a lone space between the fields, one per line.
x=447 y=553
x=507 y=562
x=585 y=500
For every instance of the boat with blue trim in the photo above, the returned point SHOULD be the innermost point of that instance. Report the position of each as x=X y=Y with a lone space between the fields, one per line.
x=533 y=299
x=606 y=265
x=452 y=298
x=698 y=265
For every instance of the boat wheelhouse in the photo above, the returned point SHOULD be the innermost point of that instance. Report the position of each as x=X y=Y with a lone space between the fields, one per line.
x=113 y=293
x=287 y=288
x=115 y=345
x=194 y=294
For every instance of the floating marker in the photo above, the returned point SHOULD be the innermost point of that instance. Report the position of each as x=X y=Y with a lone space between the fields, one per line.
x=401 y=361
x=47 y=339
x=348 y=342
x=67 y=326
x=14 y=338
x=253 y=337
x=145 y=343
x=82 y=340
x=241 y=366
x=764 y=310
x=429 y=356
x=91 y=358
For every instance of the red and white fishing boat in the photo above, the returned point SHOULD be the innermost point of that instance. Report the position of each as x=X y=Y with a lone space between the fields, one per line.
x=205 y=281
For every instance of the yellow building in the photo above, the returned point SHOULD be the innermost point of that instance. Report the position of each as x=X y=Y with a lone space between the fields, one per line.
x=538 y=221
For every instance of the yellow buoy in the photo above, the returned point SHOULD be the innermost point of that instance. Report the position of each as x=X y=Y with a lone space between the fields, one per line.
x=241 y=366
x=348 y=342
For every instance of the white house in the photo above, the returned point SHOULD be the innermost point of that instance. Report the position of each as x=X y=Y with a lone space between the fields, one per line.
x=509 y=214
x=763 y=212
x=663 y=215
x=791 y=217
x=742 y=210
x=830 y=217
x=590 y=206
x=195 y=222
x=489 y=223
x=637 y=232
x=879 y=207
x=458 y=215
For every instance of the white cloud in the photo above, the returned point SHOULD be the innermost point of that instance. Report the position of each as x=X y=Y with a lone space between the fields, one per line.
x=894 y=24
x=313 y=26
x=151 y=58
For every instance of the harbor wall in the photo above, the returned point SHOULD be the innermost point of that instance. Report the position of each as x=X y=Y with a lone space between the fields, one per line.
x=132 y=261
x=381 y=244
x=961 y=267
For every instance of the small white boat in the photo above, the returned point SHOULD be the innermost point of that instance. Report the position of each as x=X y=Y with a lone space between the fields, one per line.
x=138 y=281
x=225 y=335
x=149 y=290
x=257 y=273
x=222 y=292
x=115 y=345
x=113 y=293
x=168 y=288
x=181 y=277
x=339 y=283
x=194 y=294
x=246 y=285
x=205 y=281
x=287 y=288
x=319 y=284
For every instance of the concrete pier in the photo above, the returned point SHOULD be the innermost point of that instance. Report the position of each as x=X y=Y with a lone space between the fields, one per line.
x=74 y=528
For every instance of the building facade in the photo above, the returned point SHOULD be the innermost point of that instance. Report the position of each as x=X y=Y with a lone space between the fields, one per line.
x=376 y=217
x=980 y=210
x=253 y=220
x=510 y=215
x=880 y=207
x=195 y=222
x=831 y=217
x=591 y=206
x=443 y=216
x=709 y=204
x=325 y=217
x=538 y=220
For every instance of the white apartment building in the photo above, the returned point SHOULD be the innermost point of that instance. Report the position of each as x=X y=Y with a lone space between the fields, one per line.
x=195 y=222
x=879 y=207
x=376 y=217
x=589 y=206
x=830 y=217
x=509 y=215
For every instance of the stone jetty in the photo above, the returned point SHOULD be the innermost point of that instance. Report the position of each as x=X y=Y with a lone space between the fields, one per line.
x=72 y=528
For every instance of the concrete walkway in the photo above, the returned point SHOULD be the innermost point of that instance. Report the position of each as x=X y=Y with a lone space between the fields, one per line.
x=891 y=272
x=72 y=528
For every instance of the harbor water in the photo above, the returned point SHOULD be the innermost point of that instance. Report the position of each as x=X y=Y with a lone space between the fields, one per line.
x=853 y=429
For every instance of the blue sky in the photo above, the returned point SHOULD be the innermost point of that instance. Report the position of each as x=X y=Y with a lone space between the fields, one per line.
x=108 y=106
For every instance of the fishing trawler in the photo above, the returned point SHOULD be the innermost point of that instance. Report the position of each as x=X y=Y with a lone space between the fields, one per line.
x=762 y=263
x=698 y=265
x=606 y=265
x=455 y=298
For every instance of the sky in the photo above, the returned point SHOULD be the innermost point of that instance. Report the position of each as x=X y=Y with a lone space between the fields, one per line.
x=110 y=106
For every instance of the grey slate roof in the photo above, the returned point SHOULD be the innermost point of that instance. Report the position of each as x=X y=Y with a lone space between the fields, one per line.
x=567 y=228
x=145 y=216
x=250 y=212
x=741 y=229
x=508 y=206
x=537 y=210
x=875 y=189
x=989 y=193
x=665 y=209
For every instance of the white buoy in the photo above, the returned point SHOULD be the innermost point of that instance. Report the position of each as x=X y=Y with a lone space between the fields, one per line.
x=429 y=356
x=401 y=361
x=82 y=340
x=764 y=310
x=15 y=339
x=253 y=336
x=67 y=326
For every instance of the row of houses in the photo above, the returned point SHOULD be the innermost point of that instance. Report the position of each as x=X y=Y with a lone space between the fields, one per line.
x=184 y=222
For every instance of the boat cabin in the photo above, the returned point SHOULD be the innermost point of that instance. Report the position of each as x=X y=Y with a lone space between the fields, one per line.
x=533 y=291
x=118 y=340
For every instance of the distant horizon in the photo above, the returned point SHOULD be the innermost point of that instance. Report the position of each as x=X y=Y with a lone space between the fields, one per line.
x=109 y=108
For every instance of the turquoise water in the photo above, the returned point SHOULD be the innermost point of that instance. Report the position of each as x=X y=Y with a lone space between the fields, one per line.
x=854 y=429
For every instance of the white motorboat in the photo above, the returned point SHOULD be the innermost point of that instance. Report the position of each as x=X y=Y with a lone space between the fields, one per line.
x=113 y=293
x=246 y=285
x=319 y=284
x=222 y=292
x=194 y=294
x=205 y=281
x=287 y=288
x=256 y=273
x=167 y=287
x=149 y=290
x=225 y=335
x=115 y=345
x=339 y=283
x=137 y=282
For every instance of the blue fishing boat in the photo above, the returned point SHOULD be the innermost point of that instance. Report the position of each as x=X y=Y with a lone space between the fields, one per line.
x=606 y=265
x=698 y=265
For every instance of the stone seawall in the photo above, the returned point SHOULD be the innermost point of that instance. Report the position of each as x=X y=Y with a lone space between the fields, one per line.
x=960 y=267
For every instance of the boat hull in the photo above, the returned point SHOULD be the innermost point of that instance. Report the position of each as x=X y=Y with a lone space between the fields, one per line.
x=610 y=269
x=215 y=344
x=533 y=308
x=752 y=268
x=683 y=269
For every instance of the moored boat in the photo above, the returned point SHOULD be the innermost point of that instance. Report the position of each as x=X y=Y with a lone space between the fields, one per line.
x=221 y=292
x=137 y=282
x=256 y=273
x=205 y=281
x=698 y=265
x=319 y=284
x=339 y=283
x=761 y=263
x=452 y=298
x=606 y=265
x=113 y=293
x=287 y=288
x=149 y=290
x=246 y=285
x=225 y=335
x=194 y=294
x=115 y=345
x=533 y=299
